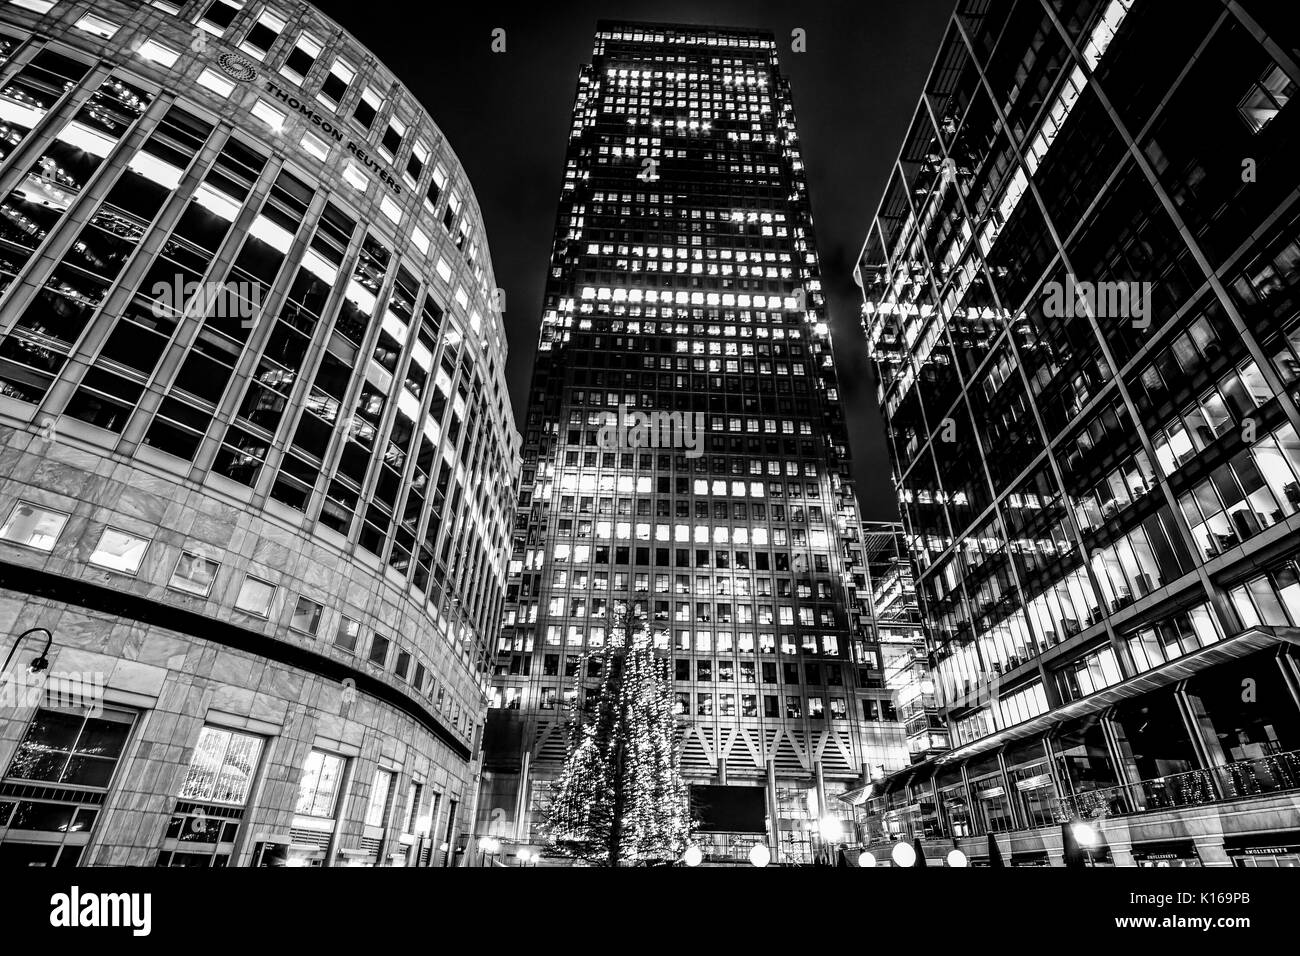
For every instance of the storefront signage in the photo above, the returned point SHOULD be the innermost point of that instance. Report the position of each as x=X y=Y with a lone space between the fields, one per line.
x=245 y=71
x=1269 y=850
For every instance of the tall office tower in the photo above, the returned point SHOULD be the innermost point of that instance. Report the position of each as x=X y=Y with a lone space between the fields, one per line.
x=258 y=454
x=685 y=451
x=1083 y=299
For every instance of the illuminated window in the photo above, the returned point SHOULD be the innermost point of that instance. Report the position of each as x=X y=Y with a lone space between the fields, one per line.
x=1266 y=98
x=213 y=81
x=156 y=52
x=367 y=107
x=269 y=115
x=255 y=596
x=219 y=15
x=263 y=35
x=301 y=58
x=306 y=616
x=33 y=526
x=119 y=551
x=313 y=145
x=355 y=178
x=321 y=782
x=336 y=83
x=222 y=767
x=194 y=573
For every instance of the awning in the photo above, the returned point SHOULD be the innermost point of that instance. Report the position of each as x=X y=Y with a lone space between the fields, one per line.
x=856 y=798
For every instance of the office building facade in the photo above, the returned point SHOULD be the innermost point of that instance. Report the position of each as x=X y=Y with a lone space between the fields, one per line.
x=685 y=453
x=1080 y=298
x=258 y=460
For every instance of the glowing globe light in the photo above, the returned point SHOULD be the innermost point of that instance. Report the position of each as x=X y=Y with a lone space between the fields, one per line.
x=866 y=859
x=1084 y=834
x=956 y=858
x=693 y=856
x=902 y=854
x=760 y=855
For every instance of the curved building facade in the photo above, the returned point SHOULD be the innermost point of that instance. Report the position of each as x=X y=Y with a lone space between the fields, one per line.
x=258 y=454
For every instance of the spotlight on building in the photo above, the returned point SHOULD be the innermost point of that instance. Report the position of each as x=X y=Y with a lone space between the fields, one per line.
x=1084 y=835
x=903 y=855
x=693 y=856
x=956 y=858
x=760 y=855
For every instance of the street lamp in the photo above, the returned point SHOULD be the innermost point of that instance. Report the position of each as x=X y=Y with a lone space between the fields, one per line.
x=487 y=845
x=956 y=857
x=760 y=855
x=693 y=856
x=831 y=829
x=1084 y=834
x=902 y=854
x=42 y=661
x=865 y=858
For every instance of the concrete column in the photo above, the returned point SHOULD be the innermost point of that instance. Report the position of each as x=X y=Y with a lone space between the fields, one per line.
x=1199 y=727
x=1210 y=850
x=773 y=822
x=1286 y=663
x=1017 y=818
x=1121 y=854
x=1124 y=769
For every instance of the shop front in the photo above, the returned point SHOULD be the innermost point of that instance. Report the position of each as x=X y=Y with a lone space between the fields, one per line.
x=1281 y=849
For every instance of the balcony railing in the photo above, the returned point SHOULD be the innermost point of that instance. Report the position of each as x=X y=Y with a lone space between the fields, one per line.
x=1275 y=773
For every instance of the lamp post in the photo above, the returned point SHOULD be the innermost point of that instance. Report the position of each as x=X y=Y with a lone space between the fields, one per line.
x=831 y=829
x=42 y=661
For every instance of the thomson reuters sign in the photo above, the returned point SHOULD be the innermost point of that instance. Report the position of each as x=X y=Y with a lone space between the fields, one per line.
x=237 y=67
x=245 y=71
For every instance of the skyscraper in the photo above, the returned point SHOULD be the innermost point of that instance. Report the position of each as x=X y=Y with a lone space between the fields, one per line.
x=1081 y=298
x=685 y=450
x=258 y=452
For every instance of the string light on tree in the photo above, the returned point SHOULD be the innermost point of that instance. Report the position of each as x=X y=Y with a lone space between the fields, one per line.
x=620 y=797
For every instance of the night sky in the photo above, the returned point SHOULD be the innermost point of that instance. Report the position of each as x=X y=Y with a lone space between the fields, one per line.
x=507 y=115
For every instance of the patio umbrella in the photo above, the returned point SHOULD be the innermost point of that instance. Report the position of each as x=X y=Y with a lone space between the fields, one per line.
x=920 y=854
x=995 y=854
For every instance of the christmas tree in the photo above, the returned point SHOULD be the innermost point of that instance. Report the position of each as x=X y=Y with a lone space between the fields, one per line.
x=620 y=798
